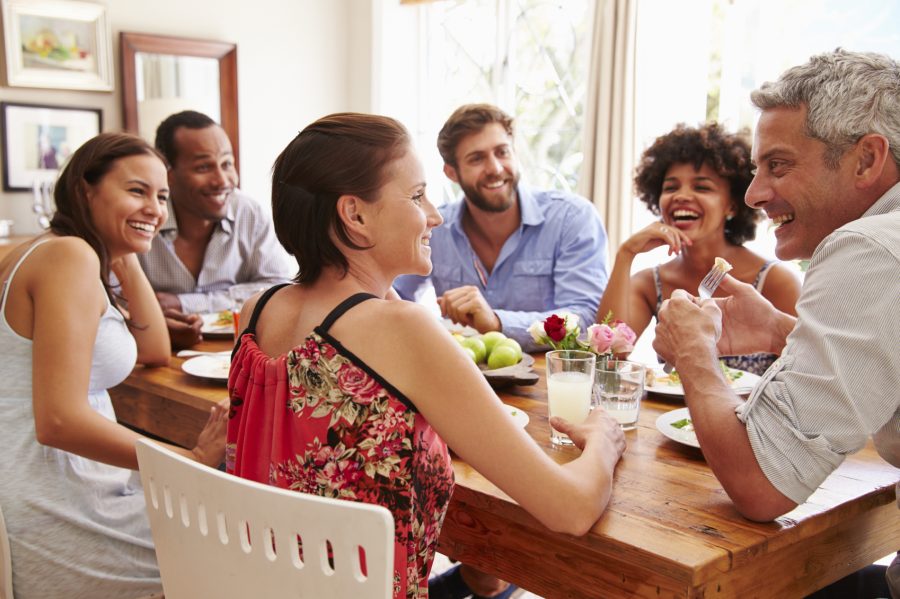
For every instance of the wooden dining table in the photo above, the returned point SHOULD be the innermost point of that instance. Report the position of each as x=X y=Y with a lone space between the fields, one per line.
x=669 y=531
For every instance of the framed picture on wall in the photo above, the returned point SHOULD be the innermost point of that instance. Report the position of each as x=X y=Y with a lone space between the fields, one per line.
x=37 y=140
x=61 y=44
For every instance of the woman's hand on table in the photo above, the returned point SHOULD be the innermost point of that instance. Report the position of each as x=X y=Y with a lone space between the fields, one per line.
x=210 y=448
x=599 y=426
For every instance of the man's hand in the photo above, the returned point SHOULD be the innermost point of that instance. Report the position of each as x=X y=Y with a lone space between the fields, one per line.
x=750 y=323
x=168 y=301
x=466 y=306
x=184 y=329
x=686 y=327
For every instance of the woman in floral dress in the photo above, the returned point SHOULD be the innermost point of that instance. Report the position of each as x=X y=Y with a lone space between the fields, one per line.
x=339 y=389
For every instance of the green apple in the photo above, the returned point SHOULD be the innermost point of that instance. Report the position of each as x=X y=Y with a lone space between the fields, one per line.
x=469 y=352
x=503 y=355
x=491 y=338
x=513 y=344
x=477 y=346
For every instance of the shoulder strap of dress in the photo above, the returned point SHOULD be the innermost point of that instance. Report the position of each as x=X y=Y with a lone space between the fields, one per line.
x=657 y=282
x=761 y=275
x=12 y=272
x=343 y=307
x=257 y=309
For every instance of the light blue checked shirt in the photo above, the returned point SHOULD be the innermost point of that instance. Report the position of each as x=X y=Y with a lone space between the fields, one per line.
x=243 y=249
x=555 y=261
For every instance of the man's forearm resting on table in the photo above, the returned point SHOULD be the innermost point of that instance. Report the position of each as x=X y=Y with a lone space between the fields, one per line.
x=724 y=440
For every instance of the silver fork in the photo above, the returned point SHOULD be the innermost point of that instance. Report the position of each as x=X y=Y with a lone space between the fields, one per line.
x=707 y=287
x=710 y=282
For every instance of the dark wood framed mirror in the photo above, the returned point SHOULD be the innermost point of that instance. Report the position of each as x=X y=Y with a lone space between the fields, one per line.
x=162 y=75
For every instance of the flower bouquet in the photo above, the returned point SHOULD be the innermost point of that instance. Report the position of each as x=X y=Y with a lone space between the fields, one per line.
x=607 y=339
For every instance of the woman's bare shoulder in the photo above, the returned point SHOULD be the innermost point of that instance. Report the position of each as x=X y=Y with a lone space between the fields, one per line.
x=782 y=288
x=69 y=258
x=398 y=316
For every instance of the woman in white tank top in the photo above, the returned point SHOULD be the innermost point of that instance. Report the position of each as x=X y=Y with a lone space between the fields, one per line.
x=73 y=505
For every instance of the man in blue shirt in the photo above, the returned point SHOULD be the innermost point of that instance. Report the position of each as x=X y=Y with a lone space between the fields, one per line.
x=507 y=256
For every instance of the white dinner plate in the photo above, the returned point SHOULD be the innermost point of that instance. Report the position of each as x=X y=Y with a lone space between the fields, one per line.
x=664 y=425
x=208 y=367
x=211 y=329
x=459 y=329
x=742 y=385
x=519 y=416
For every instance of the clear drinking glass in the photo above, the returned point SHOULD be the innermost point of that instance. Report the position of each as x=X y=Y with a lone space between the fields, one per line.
x=570 y=379
x=618 y=389
x=239 y=294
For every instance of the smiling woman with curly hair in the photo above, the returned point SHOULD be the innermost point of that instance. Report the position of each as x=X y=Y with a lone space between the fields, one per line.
x=694 y=179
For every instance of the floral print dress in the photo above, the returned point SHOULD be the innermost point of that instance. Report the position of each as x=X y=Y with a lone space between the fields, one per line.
x=319 y=420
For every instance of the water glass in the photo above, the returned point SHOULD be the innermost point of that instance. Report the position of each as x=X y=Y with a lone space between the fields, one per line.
x=618 y=388
x=570 y=378
x=239 y=294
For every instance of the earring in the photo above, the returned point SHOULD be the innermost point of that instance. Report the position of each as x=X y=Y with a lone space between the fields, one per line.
x=728 y=217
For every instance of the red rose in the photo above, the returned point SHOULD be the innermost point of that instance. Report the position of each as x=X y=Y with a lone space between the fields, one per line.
x=555 y=327
x=357 y=383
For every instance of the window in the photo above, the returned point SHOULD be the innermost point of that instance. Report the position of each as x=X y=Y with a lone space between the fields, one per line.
x=530 y=57
x=704 y=62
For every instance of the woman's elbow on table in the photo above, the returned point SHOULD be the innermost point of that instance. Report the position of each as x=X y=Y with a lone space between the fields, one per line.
x=577 y=522
x=154 y=359
x=576 y=511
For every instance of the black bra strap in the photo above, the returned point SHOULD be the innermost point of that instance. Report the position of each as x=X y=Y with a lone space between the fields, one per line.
x=343 y=307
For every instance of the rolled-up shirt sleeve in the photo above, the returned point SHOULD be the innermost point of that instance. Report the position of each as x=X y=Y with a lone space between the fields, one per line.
x=837 y=381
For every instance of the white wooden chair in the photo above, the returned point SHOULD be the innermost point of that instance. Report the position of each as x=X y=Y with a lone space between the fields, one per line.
x=221 y=536
x=5 y=562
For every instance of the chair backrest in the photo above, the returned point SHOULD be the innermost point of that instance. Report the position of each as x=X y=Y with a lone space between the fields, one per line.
x=218 y=535
x=5 y=562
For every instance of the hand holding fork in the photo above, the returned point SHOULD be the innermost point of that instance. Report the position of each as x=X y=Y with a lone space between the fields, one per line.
x=708 y=287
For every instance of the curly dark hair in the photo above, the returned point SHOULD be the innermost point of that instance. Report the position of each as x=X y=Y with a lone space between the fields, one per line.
x=728 y=154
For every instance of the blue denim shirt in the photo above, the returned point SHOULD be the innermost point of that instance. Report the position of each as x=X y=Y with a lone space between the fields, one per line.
x=555 y=261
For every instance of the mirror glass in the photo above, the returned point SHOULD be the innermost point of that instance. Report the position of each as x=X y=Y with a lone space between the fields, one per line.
x=162 y=75
x=167 y=84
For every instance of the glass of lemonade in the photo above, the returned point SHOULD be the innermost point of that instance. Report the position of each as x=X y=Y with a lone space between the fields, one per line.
x=570 y=379
x=618 y=389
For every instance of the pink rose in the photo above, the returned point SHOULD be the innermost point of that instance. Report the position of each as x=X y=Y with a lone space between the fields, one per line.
x=357 y=383
x=600 y=338
x=623 y=338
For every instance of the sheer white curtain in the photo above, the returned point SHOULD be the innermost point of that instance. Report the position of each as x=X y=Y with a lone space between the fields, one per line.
x=609 y=117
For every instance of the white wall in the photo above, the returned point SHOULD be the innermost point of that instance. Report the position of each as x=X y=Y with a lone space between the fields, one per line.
x=297 y=60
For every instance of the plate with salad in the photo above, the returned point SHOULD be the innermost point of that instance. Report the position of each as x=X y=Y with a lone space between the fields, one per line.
x=218 y=325
x=677 y=426
x=658 y=381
